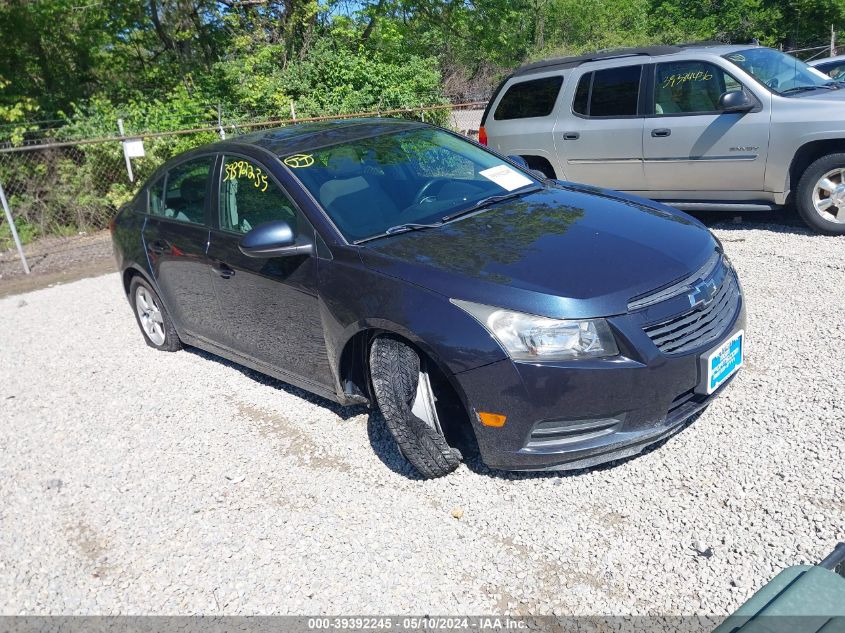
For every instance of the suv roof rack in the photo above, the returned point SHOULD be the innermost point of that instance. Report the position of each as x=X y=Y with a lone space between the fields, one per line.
x=572 y=62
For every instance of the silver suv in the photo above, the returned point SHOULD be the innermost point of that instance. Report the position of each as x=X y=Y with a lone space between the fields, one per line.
x=716 y=127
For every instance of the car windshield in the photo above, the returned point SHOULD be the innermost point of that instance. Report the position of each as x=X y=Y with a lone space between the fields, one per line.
x=778 y=71
x=403 y=180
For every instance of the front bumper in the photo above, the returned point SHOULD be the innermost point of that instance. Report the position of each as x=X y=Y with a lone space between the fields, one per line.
x=563 y=416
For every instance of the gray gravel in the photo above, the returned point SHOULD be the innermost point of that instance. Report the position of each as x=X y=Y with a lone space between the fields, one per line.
x=133 y=481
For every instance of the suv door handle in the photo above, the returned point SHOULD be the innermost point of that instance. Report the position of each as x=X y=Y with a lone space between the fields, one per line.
x=158 y=247
x=222 y=269
x=661 y=132
x=571 y=136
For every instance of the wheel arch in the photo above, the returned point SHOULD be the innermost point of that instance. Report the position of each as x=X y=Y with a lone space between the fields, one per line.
x=806 y=155
x=134 y=271
x=540 y=163
x=353 y=363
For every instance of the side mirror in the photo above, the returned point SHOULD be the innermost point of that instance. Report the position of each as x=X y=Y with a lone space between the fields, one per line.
x=735 y=101
x=273 y=239
x=519 y=160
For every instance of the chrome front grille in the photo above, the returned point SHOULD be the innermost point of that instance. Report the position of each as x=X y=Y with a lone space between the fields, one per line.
x=699 y=326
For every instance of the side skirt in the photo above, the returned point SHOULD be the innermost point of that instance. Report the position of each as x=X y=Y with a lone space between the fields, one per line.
x=269 y=370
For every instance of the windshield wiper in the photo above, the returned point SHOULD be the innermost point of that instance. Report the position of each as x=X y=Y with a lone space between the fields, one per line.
x=399 y=228
x=806 y=88
x=486 y=202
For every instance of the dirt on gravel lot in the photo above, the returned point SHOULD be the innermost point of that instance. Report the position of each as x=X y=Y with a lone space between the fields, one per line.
x=134 y=481
x=56 y=260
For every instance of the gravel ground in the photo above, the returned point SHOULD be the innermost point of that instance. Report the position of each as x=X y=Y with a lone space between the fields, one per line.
x=133 y=481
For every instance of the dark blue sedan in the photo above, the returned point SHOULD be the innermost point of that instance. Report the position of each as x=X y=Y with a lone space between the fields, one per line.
x=552 y=325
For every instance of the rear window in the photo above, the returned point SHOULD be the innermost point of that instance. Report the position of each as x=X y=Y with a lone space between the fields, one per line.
x=613 y=92
x=528 y=99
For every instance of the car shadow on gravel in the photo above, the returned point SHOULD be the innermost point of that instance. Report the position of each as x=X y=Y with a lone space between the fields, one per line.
x=343 y=412
x=386 y=448
x=784 y=220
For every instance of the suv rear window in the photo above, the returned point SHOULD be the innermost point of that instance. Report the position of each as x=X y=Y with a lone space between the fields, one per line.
x=613 y=92
x=529 y=99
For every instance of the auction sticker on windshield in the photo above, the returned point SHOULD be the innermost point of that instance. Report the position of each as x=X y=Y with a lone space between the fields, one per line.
x=505 y=177
x=725 y=361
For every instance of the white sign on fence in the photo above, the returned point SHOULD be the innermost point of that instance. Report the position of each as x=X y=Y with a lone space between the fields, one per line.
x=134 y=147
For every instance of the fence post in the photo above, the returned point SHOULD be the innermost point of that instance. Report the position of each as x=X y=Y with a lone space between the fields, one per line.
x=13 y=228
x=292 y=110
x=832 y=42
x=125 y=155
x=220 y=122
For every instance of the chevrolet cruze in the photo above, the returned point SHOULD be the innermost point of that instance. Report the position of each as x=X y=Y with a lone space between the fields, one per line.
x=552 y=325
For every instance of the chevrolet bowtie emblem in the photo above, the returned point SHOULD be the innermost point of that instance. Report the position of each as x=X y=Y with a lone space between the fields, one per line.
x=702 y=294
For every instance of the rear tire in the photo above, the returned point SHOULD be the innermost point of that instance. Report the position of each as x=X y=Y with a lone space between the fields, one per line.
x=152 y=317
x=395 y=374
x=820 y=197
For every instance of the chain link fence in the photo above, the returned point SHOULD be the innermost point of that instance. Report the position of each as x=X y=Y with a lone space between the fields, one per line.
x=67 y=188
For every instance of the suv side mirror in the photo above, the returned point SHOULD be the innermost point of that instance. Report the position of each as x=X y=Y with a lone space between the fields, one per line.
x=273 y=239
x=735 y=101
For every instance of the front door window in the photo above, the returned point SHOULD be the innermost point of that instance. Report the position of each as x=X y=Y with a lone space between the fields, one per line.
x=248 y=197
x=690 y=87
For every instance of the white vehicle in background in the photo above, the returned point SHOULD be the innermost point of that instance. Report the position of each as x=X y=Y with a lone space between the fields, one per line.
x=701 y=127
x=833 y=67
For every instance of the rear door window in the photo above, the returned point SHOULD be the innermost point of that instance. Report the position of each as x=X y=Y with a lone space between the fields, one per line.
x=186 y=191
x=613 y=92
x=527 y=99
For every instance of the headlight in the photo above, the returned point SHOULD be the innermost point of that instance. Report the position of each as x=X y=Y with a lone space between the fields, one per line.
x=529 y=337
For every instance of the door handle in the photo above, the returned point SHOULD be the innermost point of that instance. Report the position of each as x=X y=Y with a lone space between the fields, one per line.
x=571 y=136
x=661 y=132
x=158 y=247
x=222 y=269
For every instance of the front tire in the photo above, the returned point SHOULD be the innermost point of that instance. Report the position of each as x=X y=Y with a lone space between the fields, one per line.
x=395 y=371
x=820 y=197
x=152 y=317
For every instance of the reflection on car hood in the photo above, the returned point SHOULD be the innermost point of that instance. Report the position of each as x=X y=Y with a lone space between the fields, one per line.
x=568 y=251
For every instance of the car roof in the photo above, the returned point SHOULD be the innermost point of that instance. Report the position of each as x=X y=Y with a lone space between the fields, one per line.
x=824 y=60
x=560 y=63
x=303 y=137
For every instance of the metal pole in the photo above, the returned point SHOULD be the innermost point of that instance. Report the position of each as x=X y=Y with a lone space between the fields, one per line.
x=220 y=122
x=832 y=42
x=125 y=155
x=13 y=228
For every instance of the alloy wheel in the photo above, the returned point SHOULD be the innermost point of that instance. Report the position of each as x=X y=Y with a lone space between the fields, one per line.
x=149 y=314
x=829 y=196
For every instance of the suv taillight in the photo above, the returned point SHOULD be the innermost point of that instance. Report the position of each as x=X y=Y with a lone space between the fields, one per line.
x=482 y=135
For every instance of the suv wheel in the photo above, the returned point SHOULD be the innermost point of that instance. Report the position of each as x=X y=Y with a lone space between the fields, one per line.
x=406 y=401
x=821 y=195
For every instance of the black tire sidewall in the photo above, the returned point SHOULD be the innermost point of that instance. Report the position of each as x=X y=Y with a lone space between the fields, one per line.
x=171 y=338
x=804 y=194
x=394 y=368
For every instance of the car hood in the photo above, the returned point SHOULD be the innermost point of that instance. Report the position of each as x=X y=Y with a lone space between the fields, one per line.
x=566 y=251
x=831 y=96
